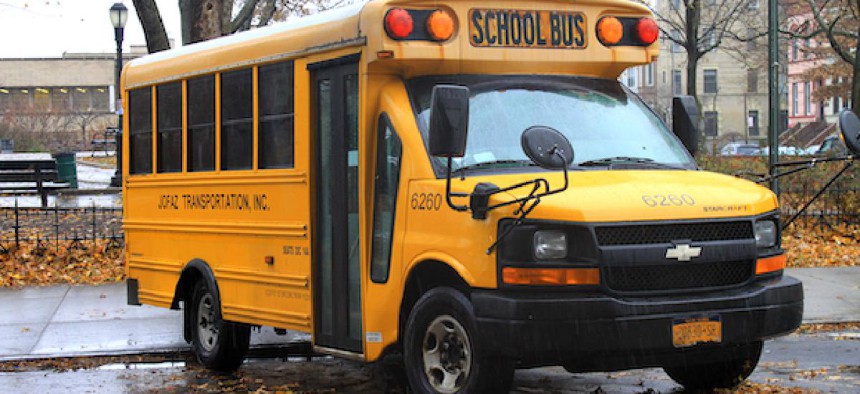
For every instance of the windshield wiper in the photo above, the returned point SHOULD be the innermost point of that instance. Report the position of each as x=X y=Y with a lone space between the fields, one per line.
x=609 y=161
x=496 y=164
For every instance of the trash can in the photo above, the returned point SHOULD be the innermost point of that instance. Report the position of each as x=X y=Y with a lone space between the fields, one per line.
x=66 y=168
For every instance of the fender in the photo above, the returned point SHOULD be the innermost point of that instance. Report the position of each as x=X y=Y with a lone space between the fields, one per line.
x=442 y=258
x=195 y=268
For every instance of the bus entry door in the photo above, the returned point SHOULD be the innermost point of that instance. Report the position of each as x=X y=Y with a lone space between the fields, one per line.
x=337 y=283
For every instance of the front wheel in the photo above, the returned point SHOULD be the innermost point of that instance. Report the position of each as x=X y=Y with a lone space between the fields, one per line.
x=219 y=345
x=441 y=350
x=724 y=374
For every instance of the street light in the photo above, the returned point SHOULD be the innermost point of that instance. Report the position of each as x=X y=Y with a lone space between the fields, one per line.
x=118 y=17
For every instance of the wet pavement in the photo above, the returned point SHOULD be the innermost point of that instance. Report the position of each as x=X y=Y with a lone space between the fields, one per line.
x=91 y=320
x=88 y=321
x=94 y=320
x=806 y=362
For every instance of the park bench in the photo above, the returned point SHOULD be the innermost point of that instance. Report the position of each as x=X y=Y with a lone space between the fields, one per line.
x=33 y=175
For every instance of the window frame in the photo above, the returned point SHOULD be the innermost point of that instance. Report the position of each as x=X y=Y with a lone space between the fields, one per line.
x=715 y=116
x=169 y=133
x=232 y=121
x=715 y=82
x=191 y=86
x=264 y=118
x=133 y=133
x=384 y=124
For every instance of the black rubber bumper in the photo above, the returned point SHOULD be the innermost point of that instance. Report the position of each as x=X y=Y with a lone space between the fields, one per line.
x=618 y=333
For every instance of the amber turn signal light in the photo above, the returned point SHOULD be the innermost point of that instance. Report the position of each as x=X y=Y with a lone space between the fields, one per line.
x=398 y=23
x=440 y=25
x=770 y=264
x=551 y=276
x=610 y=30
x=647 y=31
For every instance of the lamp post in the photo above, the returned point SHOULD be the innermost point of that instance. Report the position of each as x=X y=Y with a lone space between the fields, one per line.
x=118 y=17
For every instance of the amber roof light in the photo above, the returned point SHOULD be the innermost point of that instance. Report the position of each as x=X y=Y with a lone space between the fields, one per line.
x=610 y=30
x=440 y=25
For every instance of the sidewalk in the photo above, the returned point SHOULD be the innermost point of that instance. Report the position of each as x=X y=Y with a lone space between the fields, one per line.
x=40 y=322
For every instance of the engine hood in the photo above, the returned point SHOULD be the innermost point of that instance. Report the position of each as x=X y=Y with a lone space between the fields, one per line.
x=637 y=195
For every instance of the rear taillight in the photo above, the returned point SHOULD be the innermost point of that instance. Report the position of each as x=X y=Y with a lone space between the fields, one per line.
x=398 y=23
x=647 y=31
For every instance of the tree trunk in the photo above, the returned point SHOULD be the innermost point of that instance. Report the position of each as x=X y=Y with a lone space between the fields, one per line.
x=692 y=15
x=205 y=20
x=855 y=79
x=153 y=27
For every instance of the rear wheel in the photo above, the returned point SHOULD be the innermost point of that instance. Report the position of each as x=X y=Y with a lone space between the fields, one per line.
x=219 y=345
x=441 y=351
x=728 y=373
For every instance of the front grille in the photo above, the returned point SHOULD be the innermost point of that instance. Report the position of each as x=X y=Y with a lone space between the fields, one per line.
x=677 y=276
x=666 y=233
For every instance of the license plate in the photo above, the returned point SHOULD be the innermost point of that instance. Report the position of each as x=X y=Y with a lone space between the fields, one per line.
x=527 y=29
x=691 y=332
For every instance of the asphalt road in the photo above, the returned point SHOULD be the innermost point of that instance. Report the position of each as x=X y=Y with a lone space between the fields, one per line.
x=820 y=361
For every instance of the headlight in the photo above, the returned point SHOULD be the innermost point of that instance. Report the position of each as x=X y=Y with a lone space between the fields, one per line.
x=550 y=244
x=765 y=233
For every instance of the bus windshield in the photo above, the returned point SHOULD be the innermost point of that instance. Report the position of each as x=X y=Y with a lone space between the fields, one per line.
x=605 y=123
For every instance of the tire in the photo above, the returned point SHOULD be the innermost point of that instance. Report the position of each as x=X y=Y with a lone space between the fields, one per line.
x=725 y=374
x=219 y=345
x=454 y=363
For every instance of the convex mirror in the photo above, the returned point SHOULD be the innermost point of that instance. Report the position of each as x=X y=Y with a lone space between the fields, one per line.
x=547 y=147
x=849 y=125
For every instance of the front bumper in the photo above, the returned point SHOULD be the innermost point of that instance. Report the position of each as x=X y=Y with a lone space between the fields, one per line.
x=594 y=332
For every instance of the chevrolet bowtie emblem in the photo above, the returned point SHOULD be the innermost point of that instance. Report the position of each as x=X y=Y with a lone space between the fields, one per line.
x=683 y=252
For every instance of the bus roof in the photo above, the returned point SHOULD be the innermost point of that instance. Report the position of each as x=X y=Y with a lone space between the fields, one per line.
x=362 y=24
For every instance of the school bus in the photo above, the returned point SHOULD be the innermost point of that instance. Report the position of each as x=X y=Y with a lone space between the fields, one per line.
x=465 y=185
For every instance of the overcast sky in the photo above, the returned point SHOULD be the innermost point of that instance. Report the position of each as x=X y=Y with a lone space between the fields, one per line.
x=48 y=28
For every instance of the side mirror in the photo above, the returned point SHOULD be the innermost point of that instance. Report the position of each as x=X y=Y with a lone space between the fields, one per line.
x=547 y=147
x=449 y=120
x=685 y=121
x=849 y=125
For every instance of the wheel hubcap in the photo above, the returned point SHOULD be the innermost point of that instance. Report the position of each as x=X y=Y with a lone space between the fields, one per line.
x=447 y=354
x=207 y=330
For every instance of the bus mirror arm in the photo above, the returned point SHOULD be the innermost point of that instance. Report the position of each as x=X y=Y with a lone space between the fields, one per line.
x=528 y=203
x=449 y=194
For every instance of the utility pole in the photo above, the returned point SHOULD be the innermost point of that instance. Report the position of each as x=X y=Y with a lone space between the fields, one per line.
x=773 y=92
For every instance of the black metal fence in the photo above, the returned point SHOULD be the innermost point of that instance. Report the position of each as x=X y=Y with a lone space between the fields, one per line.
x=838 y=203
x=51 y=226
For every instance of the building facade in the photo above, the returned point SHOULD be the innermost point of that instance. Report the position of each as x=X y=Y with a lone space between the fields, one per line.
x=63 y=102
x=731 y=80
x=805 y=54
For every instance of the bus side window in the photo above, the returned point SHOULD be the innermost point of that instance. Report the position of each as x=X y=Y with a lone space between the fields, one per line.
x=275 y=86
x=169 y=111
x=140 y=130
x=388 y=154
x=236 y=120
x=201 y=124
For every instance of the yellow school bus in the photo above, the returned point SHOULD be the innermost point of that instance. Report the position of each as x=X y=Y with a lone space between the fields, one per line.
x=463 y=184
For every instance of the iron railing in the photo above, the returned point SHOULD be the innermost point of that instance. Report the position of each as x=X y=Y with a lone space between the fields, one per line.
x=51 y=226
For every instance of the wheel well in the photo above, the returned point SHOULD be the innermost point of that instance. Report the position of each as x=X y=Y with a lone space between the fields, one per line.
x=424 y=277
x=194 y=271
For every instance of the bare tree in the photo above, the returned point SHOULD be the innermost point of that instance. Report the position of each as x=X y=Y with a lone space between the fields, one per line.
x=35 y=130
x=153 y=27
x=206 y=19
x=836 y=22
x=702 y=26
